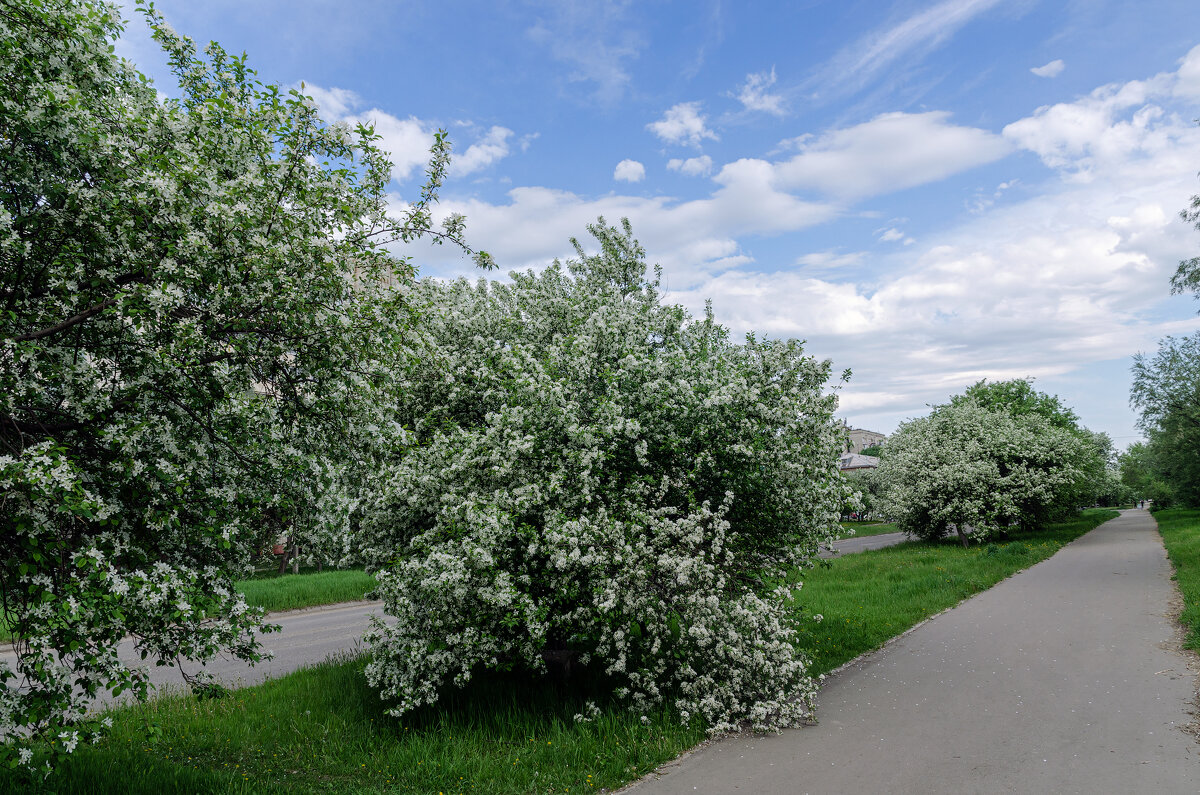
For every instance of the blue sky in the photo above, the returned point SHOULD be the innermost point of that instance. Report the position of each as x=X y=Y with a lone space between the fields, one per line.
x=929 y=193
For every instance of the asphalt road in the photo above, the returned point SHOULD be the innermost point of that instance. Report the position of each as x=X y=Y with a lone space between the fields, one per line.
x=856 y=544
x=1064 y=678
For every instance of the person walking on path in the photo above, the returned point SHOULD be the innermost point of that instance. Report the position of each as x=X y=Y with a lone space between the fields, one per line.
x=1065 y=678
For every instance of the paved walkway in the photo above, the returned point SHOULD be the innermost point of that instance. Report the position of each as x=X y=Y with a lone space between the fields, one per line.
x=1061 y=679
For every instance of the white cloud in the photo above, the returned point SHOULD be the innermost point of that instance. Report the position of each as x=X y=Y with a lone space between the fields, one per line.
x=907 y=41
x=693 y=167
x=334 y=103
x=1052 y=69
x=629 y=171
x=596 y=39
x=1111 y=125
x=1188 y=77
x=754 y=95
x=1062 y=274
x=830 y=260
x=491 y=147
x=408 y=141
x=682 y=124
x=891 y=152
x=892 y=234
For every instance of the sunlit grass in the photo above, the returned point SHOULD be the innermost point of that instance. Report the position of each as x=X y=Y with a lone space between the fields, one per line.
x=867 y=529
x=293 y=591
x=1180 y=529
x=323 y=730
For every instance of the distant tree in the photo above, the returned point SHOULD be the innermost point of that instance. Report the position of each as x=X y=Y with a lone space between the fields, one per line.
x=870 y=490
x=975 y=471
x=1092 y=452
x=1139 y=475
x=1166 y=391
x=873 y=450
x=1187 y=275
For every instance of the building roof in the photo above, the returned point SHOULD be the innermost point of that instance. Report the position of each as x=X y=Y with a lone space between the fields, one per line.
x=857 y=461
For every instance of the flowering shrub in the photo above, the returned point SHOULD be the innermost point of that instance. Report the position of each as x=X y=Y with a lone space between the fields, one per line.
x=196 y=338
x=600 y=478
x=976 y=469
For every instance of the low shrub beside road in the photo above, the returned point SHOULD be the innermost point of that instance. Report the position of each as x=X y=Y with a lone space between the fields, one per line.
x=1180 y=529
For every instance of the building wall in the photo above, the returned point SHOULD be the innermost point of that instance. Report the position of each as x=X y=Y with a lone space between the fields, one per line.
x=860 y=438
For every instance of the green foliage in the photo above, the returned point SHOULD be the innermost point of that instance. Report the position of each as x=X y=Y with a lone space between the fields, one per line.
x=1180 y=529
x=873 y=450
x=1187 y=276
x=1000 y=455
x=1018 y=398
x=869 y=487
x=600 y=476
x=198 y=336
x=1166 y=390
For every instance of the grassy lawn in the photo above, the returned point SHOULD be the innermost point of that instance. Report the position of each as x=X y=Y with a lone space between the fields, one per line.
x=322 y=730
x=293 y=591
x=1180 y=529
x=869 y=597
x=868 y=529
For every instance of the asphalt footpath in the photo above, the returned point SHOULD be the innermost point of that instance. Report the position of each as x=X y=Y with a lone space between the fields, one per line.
x=1065 y=678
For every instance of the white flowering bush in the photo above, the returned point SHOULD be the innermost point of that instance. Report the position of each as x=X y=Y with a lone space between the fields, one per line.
x=975 y=469
x=600 y=479
x=197 y=338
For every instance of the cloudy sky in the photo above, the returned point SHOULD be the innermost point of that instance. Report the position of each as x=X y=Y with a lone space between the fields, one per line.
x=929 y=193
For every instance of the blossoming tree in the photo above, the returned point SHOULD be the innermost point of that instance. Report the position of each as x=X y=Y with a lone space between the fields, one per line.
x=1001 y=455
x=601 y=479
x=197 y=335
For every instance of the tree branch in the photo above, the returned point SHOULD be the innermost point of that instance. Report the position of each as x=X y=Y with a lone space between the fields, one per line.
x=69 y=322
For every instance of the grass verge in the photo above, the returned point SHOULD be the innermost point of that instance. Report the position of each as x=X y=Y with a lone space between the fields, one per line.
x=293 y=591
x=322 y=730
x=1180 y=530
x=862 y=529
x=869 y=597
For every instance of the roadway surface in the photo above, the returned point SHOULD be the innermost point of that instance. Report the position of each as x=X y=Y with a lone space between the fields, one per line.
x=1065 y=678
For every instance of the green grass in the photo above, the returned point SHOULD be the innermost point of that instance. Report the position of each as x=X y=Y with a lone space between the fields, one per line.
x=322 y=730
x=870 y=597
x=1180 y=529
x=293 y=591
x=862 y=529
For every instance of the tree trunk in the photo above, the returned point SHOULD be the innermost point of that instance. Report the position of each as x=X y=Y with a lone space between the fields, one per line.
x=961 y=535
x=283 y=559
